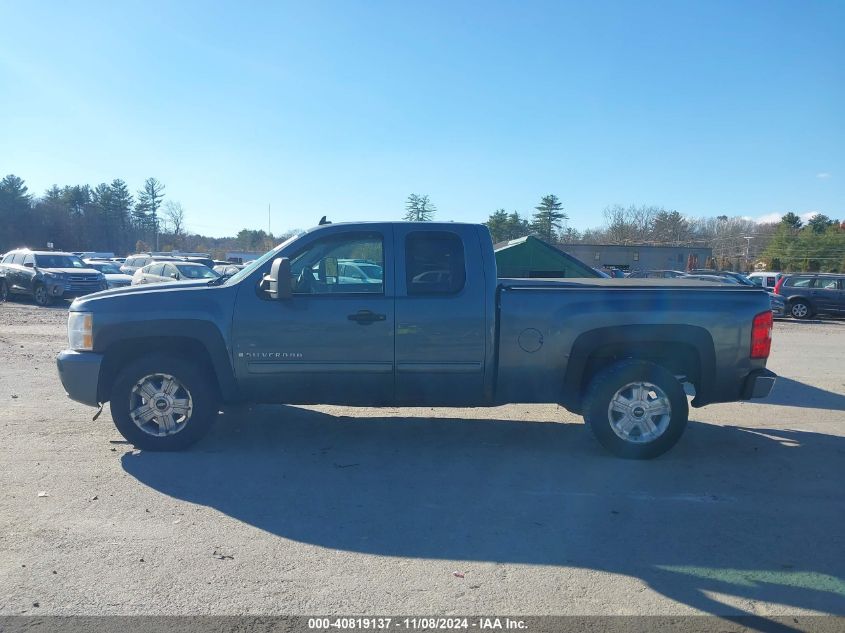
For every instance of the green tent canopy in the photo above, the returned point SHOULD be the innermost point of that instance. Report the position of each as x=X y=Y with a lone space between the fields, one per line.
x=532 y=257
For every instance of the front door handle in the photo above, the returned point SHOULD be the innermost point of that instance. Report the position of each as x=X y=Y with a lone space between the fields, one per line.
x=365 y=317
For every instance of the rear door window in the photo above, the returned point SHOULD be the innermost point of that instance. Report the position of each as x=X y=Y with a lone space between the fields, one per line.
x=434 y=263
x=799 y=282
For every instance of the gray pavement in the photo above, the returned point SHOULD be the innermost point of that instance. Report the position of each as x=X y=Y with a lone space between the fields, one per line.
x=315 y=510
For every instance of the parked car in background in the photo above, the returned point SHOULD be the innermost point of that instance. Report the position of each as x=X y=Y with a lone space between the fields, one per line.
x=764 y=279
x=777 y=302
x=738 y=277
x=226 y=269
x=135 y=262
x=360 y=271
x=205 y=261
x=810 y=294
x=47 y=275
x=713 y=278
x=656 y=274
x=178 y=270
x=111 y=271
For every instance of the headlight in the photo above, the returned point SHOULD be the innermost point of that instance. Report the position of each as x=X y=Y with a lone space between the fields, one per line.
x=80 y=331
x=49 y=275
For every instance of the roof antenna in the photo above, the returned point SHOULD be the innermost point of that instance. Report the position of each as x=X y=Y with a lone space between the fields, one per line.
x=323 y=221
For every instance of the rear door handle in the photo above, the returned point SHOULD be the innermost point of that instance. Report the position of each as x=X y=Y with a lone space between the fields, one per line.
x=365 y=317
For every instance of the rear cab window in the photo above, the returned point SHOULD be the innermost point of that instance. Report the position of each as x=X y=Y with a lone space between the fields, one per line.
x=434 y=263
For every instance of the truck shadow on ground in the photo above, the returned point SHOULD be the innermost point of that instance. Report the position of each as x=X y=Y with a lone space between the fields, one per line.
x=752 y=514
x=792 y=393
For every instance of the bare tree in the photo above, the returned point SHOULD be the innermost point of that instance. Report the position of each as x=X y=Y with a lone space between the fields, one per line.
x=174 y=217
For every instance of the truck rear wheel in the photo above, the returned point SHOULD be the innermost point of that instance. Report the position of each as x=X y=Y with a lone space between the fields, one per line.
x=636 y=409
x=163 y=403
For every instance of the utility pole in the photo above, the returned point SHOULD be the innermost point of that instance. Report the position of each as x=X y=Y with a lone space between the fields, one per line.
x=747 y=239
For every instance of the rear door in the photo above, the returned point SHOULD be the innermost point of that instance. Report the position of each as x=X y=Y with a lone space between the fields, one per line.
x=440 y=320
x=332 y=341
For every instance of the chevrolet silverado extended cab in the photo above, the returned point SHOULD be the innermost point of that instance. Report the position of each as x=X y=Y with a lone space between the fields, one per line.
x=430 y=325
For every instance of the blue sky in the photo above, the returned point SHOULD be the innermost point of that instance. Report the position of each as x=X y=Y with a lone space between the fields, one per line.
x=344 y=108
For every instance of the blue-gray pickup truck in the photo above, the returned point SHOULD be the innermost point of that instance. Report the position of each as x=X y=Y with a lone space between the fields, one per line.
x=414 y=314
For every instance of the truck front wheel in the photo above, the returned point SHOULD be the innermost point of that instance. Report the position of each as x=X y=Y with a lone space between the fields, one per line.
x=162 y=403
x=636 y=409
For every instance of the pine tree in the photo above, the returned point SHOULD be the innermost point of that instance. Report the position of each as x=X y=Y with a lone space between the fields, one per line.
x=419 y=208
x=150 y=198
x=549 y=217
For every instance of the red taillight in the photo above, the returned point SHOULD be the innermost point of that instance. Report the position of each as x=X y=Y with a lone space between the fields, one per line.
x=778 y=284
x=761 y=335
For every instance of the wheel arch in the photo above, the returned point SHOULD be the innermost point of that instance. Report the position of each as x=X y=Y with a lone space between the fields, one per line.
x=803 y=298
x=682 y=349
x=199 y=341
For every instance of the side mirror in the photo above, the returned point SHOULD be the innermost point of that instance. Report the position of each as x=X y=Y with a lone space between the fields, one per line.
x=29 y=265
x=174 y=275
x=278 y=281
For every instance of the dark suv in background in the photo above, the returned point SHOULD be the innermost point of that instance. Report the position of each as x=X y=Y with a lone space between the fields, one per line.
x=47 y=275
x=809 y=294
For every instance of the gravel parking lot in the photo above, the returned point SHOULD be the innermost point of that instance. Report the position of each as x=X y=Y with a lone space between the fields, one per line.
x=310 y=510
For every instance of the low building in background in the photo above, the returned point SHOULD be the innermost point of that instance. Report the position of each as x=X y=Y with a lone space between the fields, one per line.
x=631 y=257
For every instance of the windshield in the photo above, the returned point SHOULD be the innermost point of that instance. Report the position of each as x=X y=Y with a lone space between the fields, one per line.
x=196 y=272
x=255 y=264
x=108 y=269
x=59 y=261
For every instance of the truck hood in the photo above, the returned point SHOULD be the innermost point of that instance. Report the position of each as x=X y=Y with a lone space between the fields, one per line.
x=153 y=292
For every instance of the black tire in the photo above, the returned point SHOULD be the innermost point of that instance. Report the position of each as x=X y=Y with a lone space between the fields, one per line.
x=800 y=309
x=41 y=295
x=616 y=379
x=4 y=291
x=200 y=390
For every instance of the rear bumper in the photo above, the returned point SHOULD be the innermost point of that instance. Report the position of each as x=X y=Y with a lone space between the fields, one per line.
x=80 y=374
x=758 y=384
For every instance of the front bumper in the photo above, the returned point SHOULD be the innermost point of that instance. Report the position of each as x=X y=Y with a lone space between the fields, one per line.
x=80 y=375
x=60 y=290
x=758 y=384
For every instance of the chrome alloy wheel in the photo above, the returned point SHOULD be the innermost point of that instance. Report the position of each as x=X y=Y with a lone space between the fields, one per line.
x=160 y=405
x=639 y=412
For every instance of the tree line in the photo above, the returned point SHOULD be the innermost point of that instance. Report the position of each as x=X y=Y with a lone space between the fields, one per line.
x=109 y=217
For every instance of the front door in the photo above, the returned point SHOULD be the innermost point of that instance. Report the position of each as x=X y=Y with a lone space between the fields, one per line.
x=332 y=341
x=825 y=293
